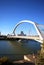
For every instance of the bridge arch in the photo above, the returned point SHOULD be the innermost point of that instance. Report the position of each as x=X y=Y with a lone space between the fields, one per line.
x=35 y=25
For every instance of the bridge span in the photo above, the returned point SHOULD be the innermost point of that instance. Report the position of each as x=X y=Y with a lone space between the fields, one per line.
x=11 y=37
x=39 y=38
x=26 y=37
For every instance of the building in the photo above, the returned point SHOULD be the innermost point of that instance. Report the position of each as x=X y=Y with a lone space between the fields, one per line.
x=22 y=34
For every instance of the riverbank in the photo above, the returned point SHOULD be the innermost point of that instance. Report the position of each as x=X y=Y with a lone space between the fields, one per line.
x=28 y=59
x=8 y=63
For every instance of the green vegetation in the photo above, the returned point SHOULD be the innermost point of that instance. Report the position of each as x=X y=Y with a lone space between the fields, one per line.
x=4 y=59
x=40 y=57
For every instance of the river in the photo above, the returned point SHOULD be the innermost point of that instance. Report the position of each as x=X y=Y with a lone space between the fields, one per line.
x=15 y=50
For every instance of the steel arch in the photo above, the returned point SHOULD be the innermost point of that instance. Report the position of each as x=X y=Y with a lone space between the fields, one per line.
x=35 y=25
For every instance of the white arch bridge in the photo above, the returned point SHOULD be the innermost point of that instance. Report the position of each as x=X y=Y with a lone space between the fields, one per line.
x=39 y=38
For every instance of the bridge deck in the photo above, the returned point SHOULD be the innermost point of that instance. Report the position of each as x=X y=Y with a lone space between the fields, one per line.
x=11 y=37
x=24 y=37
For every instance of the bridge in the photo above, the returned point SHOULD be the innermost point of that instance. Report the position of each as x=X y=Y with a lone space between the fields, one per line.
x=25 y=38
x=39 y=38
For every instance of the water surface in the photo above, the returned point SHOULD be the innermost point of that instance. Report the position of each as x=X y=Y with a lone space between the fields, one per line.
x=15 y=49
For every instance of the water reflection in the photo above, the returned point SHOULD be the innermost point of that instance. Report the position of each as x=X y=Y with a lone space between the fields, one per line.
x=16 y=50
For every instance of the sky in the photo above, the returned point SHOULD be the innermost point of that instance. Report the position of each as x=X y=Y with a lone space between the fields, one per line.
x=13 y=11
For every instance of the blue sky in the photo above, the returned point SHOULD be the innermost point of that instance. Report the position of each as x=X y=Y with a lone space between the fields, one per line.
x=13 y=11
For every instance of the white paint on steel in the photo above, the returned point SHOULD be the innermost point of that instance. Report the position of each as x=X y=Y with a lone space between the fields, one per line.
x=35 y=25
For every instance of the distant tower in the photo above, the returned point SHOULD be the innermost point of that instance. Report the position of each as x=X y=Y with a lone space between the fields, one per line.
x=0 y=33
